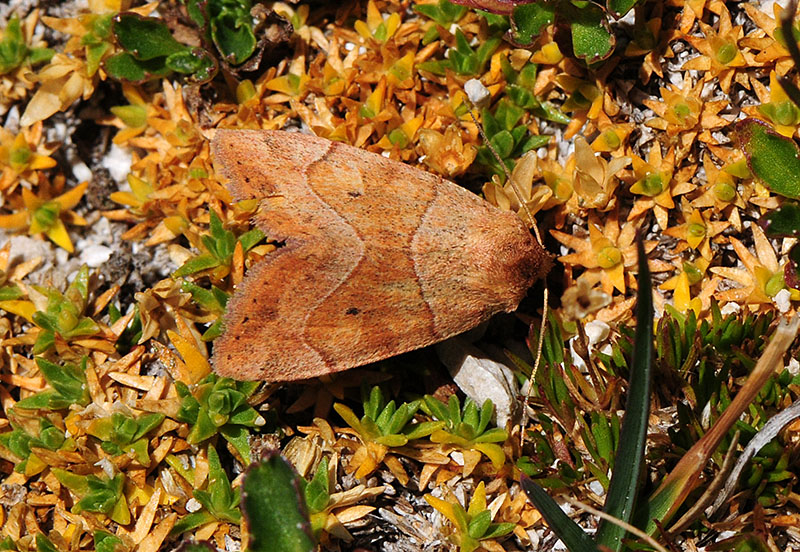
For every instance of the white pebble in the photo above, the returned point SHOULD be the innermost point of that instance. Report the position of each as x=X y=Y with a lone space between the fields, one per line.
x=730 y=308
x=81 y=172
x=793 y=367
x=783 y=300
x=477 y=93
x=118 y=162
x=193 y=505
x=95 y=255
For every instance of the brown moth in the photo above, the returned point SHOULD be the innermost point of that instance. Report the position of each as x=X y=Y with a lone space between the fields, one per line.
x=378 y=258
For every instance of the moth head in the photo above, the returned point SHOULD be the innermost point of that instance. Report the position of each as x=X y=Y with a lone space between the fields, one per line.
x=511 y=259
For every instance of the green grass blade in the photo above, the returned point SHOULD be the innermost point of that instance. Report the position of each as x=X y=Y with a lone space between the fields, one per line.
x=624 y=484
x=567 y=530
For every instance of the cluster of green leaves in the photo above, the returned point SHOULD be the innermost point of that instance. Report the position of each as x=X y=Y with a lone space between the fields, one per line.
x=21 y=443
x=150 y=51
x=103 y=495
x=121 y=434
x=68 y=383
x=212 y=300
x=444 y=14
x=709 y=355
x=582 y=28
x=219 y=500
x=462 y=59
x=219 y=405
x=472 y=525
x=64 y=315
x=695 y=349
x=384 y=422
x=467 y=427
x=520 y=91
x=227 y=24
x=597 y=430
x=14 y=51
x=704 y=359
x=220 y=245
x=508 y=136
x=103 y=542
x=506 y=123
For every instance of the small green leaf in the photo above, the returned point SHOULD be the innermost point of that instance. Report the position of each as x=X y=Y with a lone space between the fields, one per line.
x=619 y=8
x=772 y=158
x=275 y=509
x=134 y=116
x=43 y=544
x=591 y=38
x=106 y=542
x=125 y=67
x=783 y=222
x=196 y=62
x=196 y=264
x=479 y=524
x=496 y=530
x=529 y=20
x=317 y=493
x=145 y=38
x=232 y=32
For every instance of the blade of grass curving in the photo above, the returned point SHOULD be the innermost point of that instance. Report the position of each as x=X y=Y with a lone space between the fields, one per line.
x=622 y=489
x=567 y=530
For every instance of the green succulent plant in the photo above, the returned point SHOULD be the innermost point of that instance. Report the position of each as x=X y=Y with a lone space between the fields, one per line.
x=219 y=405
x=219 y=500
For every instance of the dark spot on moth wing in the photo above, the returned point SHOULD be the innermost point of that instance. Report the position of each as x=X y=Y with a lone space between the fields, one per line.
x=354 y=194
x=352 y=311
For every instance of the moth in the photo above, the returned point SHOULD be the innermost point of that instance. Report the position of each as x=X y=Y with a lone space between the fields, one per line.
x=377 y=258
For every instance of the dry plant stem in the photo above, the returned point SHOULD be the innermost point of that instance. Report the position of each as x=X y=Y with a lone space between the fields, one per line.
x=576 y=393
x=766 y=434
x=710 y=493
x=590 y=364
x=627 y=526
x=687 y=472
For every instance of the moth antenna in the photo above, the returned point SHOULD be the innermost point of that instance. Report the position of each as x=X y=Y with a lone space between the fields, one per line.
x=479 y=95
